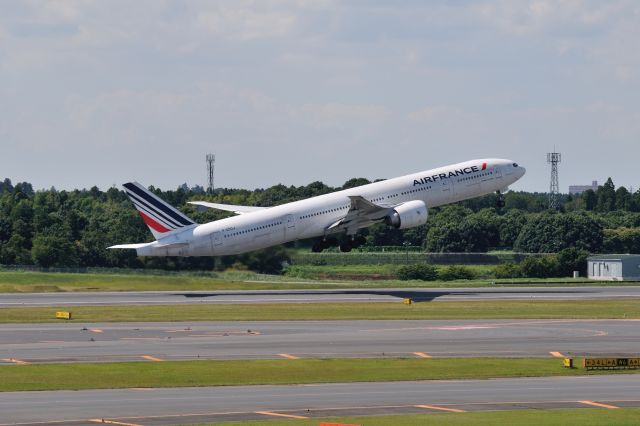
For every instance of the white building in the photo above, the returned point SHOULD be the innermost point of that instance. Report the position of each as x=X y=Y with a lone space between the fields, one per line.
x=579 y=189
x=614 y=267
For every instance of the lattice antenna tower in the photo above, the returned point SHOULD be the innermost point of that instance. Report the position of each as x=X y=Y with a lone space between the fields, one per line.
x=554 y=159
x=211 y=163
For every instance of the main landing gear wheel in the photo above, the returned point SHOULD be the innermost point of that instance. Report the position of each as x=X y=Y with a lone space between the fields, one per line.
x=352 y=242
x=358 y=240
x=345 y=247
x=325 y=243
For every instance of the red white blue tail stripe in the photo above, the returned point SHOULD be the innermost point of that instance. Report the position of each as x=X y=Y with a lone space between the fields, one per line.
x=160 y=217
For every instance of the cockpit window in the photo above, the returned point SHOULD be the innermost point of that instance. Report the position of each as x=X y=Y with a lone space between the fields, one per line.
x=515 y=164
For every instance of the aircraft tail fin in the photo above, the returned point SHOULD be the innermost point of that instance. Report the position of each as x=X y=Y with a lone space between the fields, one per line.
x=161 y=218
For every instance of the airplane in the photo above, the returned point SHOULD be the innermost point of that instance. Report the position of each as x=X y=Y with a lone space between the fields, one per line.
x=334 y=219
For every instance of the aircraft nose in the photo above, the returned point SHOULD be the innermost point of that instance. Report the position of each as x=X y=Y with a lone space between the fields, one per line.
x=522 y=171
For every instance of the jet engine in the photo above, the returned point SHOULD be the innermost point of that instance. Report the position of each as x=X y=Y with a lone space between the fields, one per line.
x=408 y=215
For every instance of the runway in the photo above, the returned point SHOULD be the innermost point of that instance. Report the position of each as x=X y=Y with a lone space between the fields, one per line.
x=193 y=405
x=8 y=300
x=63 y=342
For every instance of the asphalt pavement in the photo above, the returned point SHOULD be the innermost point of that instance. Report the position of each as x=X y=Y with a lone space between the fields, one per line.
x=192 y=405
x=8 y=300
x=77 y=342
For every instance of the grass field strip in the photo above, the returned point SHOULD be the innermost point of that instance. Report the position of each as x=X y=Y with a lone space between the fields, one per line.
x=289 y=370
x=497 y=309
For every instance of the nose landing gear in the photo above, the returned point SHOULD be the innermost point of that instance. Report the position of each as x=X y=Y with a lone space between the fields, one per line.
x=500 y=200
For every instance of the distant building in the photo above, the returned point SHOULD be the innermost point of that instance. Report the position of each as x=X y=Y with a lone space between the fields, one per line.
x=579 y=189
x=614 y=267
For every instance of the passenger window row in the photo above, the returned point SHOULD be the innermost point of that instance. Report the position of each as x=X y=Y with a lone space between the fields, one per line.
x=474 y=177
x=257 y=228
x=324 y=212
x=424 y=188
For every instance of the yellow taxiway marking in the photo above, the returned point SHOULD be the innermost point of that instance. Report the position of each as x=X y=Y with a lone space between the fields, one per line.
x=422 y=355
x=557 y=354
x=597 y=404
x=113 y=422
x=15 y=361
x=288 y=356
x=436 y=407
x=95 y=330
x=271 y=413
x=152 y=358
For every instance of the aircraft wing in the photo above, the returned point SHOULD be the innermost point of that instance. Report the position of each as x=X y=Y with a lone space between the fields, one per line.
x=361 y=213
x=228 y=207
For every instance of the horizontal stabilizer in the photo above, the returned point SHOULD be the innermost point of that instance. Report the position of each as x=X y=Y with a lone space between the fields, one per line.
x=129 y=246
x=160 y=245
x=228 y=207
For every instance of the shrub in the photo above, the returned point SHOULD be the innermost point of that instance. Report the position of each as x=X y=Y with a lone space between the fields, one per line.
x=455 y=272
x=540 y=267
x=572 y=259
x=508 y=270
x=418 y=271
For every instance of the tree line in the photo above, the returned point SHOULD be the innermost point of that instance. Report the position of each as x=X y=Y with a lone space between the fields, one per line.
x=52 y=228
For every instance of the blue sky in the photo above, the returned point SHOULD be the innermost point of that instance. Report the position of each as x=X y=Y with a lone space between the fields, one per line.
x=95 y=92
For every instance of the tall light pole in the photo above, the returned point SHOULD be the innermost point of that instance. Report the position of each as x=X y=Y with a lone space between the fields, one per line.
x=554 y=159
x=211 y=162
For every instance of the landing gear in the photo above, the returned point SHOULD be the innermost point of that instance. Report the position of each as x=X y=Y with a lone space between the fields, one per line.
x=500 y=200
x=358 y=240
x=352 y=242
x=346 y=245
x=325 y=243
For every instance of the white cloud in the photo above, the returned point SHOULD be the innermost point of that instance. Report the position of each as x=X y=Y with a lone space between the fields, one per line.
x=299 y=85
x=246 y=21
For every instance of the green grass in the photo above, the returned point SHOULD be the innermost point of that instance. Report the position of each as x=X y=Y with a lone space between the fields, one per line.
x=512 y=309
x=39 y=282
x=29 y=282
x=255 y=372
x=561 y=417
x=348 y=271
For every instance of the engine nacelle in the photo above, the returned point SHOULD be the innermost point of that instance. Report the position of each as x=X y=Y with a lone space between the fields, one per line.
x=408 y=215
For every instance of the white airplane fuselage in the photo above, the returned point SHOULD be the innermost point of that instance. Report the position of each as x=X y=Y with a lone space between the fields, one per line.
x=313 y=217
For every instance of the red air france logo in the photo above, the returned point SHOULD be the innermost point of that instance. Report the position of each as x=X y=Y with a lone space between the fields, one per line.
x=484 y=166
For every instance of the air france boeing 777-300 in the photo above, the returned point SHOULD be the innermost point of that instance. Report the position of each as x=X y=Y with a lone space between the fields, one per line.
x=334 y=219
